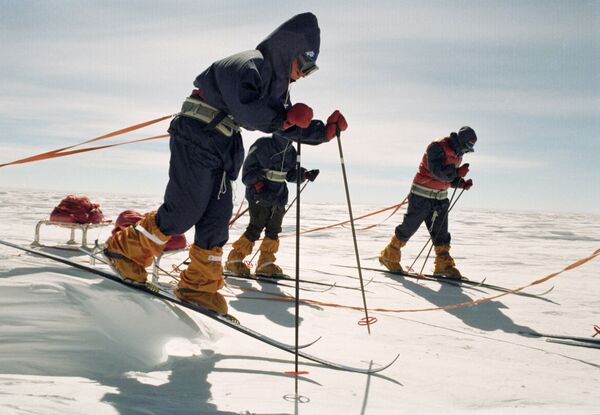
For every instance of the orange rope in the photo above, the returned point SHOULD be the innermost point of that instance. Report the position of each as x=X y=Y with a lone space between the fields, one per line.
x=61 y=152
x=377 y=224
x=395 y=207
x=448 y=307
x=85 y=150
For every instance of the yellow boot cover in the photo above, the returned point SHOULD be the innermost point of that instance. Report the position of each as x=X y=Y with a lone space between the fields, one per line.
x=235 y=261
x=130 y=250
x=444 y=263
x=202 y=279
x=266 y=261
x=211 y=301
x=390 y=256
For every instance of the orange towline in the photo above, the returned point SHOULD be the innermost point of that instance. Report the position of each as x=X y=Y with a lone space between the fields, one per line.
x=62 y=152
x=574 y=265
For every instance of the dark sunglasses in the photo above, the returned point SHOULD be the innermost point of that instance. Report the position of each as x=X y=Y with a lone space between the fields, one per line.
x=469 y=146
x=306 y=66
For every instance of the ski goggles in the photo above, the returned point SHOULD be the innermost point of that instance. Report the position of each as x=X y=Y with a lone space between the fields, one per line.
x=306 y=66
x=469 y=146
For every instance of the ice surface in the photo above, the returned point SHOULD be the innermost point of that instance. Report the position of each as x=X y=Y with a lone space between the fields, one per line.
x=73 y=343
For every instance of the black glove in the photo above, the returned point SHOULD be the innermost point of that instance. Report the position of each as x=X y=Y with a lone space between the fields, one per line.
x=311 y=175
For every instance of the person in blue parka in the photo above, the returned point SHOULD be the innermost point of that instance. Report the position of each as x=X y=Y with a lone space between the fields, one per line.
x=247 y=90
x=270 y=163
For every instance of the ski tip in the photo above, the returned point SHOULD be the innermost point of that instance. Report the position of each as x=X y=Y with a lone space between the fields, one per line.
x=231 y=318
x=381 y=368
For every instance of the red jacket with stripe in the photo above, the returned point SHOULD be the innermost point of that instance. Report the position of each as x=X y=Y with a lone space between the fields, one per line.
x=438 y=167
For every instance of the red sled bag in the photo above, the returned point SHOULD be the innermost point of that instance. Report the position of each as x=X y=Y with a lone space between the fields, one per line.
x=77 y=209
x=131 y=217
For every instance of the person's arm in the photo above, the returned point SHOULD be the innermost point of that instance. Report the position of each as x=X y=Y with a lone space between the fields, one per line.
x=436 y=159
x=292 y=177
x=252 y=171
x=241 y=87
x=313 y=135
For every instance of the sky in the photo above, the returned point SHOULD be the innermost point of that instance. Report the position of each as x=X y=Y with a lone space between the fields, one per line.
x=524 y=74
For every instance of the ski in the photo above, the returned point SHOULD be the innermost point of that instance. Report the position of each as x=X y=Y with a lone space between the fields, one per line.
x=168 y=295
x=574 y=343
x=449 y=281
x=457 y=282
x=590 y=340
x=278 y=281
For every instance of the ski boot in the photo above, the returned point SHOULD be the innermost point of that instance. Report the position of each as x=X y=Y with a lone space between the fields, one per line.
x=235 y=261
x=391 y=255
x=444 y=263
x=130 y=250
x=266 y=266
x=200 y=281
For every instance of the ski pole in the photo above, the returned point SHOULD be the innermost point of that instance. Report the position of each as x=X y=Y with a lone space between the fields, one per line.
x=238 y=214
x=367 y=321
x=297 y=288
x=290 y=206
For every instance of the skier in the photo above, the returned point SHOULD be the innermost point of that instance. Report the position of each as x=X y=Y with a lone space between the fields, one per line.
x=439 y=170
x=271 y=161
x=249 y=90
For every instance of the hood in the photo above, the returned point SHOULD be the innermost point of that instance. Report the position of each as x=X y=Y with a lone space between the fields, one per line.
x=300 y=34
x=464 y=141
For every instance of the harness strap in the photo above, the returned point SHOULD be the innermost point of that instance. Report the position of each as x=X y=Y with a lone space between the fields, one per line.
x=214 y=118
x=218 y=118
x=274 y=175
x=114 y=255
x=428 y=193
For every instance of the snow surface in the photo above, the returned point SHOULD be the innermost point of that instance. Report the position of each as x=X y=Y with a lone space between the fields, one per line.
x=74 y=343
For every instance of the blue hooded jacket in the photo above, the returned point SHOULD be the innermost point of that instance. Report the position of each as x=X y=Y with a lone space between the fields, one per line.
x=252 y=86
x=272 y=153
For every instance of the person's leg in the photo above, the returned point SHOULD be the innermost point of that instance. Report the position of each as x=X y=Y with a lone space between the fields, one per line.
x=243 y=246
x=189 y=189
x=131 y=249
x=438 y=229
x=270 y=245
x=203 y=277
x=416 y=212
x=259 y=215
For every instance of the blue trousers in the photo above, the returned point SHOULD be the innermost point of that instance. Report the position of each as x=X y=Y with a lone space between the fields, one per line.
x=421 y=209
x=199 y=193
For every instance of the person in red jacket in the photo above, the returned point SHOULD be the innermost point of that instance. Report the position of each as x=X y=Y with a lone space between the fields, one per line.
x=440 y=169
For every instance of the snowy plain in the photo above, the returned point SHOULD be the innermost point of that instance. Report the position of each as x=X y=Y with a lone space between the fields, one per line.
x=74 y=343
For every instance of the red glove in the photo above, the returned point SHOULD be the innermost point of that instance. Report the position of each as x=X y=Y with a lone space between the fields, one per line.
x=463 y=170
x=335 y=122
x=465 y=184
x=300 y=115
x=258 y=186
